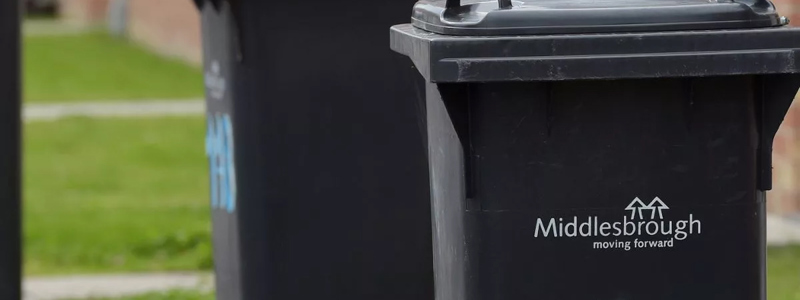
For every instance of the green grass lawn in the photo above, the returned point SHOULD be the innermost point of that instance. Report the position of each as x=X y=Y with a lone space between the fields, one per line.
x=95 y=66
x=783 y=273
x=116 y=195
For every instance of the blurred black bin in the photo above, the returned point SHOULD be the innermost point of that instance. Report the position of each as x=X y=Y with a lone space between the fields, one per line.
x=600 y=150
x=319 y=184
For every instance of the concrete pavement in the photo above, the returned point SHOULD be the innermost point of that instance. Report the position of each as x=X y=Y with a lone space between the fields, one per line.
x=113 y=109
x=46 y=27
x=93 y=286
x=783 y=230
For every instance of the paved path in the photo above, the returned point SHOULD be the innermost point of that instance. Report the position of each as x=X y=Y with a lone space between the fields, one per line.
x=783 y=230
x=148 y=108
x=53 y=27
x=82 y=287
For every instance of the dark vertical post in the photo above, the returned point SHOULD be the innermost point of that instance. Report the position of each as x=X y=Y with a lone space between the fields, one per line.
x=10 y=258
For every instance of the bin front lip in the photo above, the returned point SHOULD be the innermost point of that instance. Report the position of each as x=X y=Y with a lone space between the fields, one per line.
x=444 y=58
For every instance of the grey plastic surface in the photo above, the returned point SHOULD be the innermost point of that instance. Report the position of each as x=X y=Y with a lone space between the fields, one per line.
x=590 y=16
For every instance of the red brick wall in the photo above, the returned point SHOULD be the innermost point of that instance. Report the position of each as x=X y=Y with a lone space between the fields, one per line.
x=84 y=11
x=789 y=9
x=785 y=195
x=169 y=27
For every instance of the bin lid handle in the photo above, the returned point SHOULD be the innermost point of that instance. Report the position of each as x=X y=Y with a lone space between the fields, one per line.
x=503 y=4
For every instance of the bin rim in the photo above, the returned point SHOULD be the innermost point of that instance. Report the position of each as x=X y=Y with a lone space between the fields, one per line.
x=523 y=17
x=460 y=59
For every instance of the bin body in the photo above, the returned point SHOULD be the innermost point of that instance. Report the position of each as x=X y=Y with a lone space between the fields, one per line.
x=10 y=229
x=546 y=155
x=604 y=166
x=327 y=194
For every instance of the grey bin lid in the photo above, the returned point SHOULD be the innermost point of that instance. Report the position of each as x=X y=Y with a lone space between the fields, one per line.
x=504 y=17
